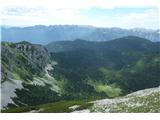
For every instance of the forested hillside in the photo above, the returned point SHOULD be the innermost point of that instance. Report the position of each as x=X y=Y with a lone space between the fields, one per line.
x=110 y=68
x=75 y=72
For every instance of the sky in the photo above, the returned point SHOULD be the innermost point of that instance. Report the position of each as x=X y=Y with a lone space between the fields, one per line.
x=80 y=12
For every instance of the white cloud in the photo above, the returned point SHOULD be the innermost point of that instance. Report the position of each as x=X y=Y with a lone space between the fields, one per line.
x=79 y=4
x=148 y=19
x=59 y=4
x=34 y=12
x=38 y=15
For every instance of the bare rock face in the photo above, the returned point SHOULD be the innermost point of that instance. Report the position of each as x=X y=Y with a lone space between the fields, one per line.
x=35 y=53
x=21 y=63
x=8 y=91
x=23 y=56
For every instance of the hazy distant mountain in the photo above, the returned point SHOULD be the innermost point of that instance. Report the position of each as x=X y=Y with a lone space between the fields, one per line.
x=46 y=34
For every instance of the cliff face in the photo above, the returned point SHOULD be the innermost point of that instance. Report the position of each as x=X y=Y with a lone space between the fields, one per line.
x=23 y=63
x=36 y=53
x=23 y=60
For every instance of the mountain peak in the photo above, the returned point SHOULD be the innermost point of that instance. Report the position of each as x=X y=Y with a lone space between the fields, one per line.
x=24 y=42
x=131 y=39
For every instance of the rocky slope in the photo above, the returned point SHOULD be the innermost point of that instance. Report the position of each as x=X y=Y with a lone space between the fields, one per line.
x=31 y=58
x=147 y=100
x=24 y=63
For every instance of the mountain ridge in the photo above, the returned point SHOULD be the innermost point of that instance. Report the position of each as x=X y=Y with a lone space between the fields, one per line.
x=58 y=46
x=46 y=34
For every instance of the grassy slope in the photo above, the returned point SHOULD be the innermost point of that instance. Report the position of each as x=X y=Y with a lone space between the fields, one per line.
x=147 y=100
x=57 y=107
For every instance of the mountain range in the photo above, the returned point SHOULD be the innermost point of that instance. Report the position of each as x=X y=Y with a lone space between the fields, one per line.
x=45 y=34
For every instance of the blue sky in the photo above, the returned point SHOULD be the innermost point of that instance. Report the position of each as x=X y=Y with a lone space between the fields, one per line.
x=94 y=12
x=126 y=17
x=81 y=14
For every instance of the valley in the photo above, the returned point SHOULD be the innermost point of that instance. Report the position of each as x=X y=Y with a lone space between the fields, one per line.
x=120 y=75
